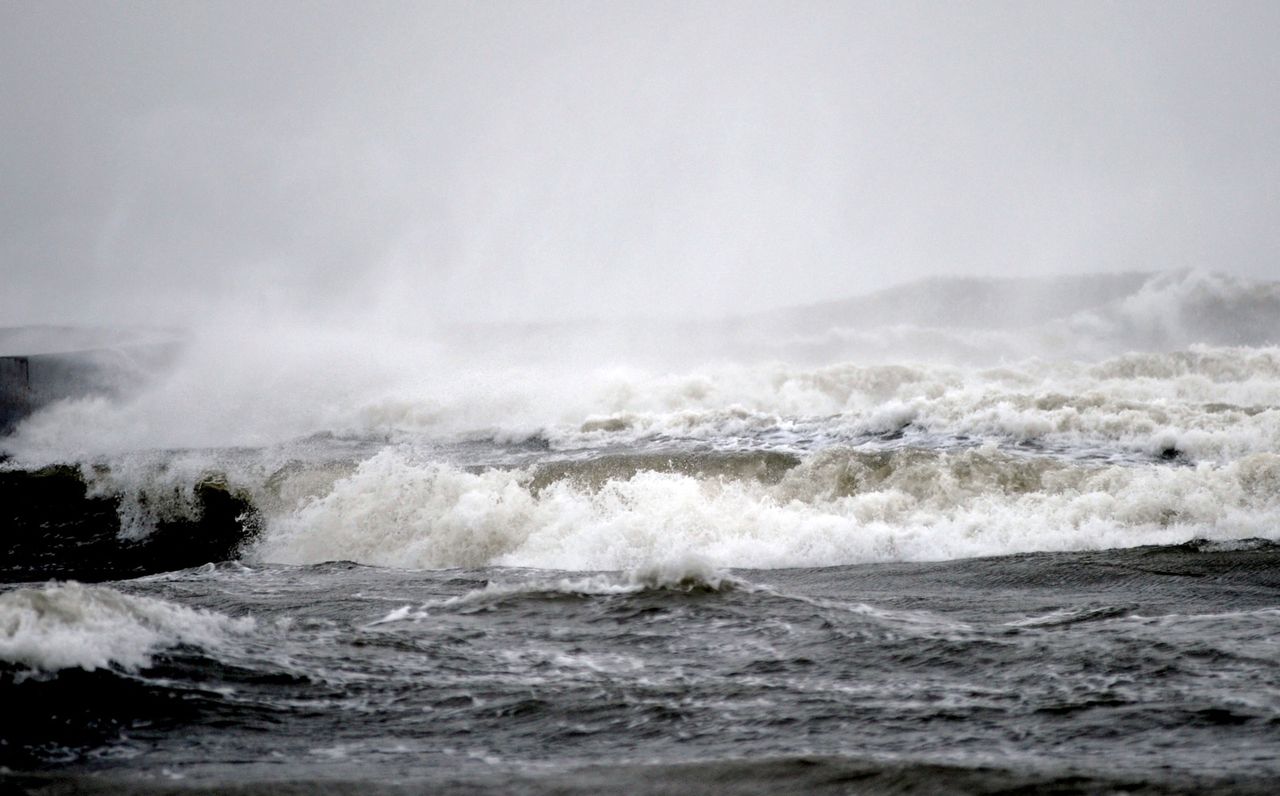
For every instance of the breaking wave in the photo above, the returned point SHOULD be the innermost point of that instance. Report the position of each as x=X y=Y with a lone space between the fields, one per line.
x=73 y=626
x=689 y=575
x=1207 y=403
x=838 y=507
x=950 y=352
x=1083 y=413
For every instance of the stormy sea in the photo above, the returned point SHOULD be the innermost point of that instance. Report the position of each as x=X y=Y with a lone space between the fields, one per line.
x=964 y=535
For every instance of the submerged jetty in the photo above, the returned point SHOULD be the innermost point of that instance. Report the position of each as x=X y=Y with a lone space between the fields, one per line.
x=58 y=527
x=43 y=364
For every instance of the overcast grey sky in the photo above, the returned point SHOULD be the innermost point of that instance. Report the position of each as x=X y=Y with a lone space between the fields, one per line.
x=529 y=160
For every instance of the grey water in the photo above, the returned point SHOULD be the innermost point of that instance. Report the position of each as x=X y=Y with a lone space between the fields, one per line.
x=569 y=397
x=1147 y=670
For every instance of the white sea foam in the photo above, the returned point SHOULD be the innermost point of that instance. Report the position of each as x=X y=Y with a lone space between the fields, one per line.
x=69 y=625
x=1212 y=406
x=1075 y=389
x=1209 y=403
x=836 y=508
x=1207 y=340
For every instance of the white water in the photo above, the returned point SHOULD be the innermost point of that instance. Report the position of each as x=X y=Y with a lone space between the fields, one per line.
x=395 y=512
x=254 y=383
x=376 y=454
x=69 y=625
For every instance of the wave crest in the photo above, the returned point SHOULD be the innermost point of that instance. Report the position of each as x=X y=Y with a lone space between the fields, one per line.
x=840 y=507
x=69 y=625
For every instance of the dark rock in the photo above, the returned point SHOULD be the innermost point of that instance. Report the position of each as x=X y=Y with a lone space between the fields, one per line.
x=52 y=528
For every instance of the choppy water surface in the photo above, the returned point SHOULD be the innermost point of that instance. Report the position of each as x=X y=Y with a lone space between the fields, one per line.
x=750 y=575
x=1155 y=666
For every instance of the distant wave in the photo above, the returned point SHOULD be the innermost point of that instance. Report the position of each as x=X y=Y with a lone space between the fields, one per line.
x=1206 y=403
x=243 y=387
x=981 y=320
